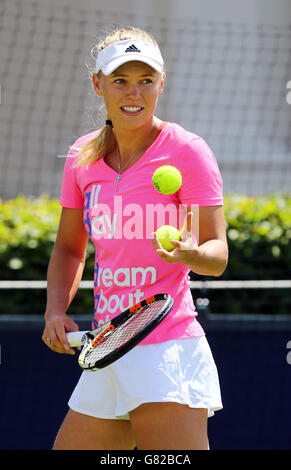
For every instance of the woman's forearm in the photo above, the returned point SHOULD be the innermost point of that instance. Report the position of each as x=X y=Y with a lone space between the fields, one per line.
x=63 y=278
x=209 y=259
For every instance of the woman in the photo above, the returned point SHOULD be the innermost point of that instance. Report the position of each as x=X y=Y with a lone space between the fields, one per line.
x=160 y=394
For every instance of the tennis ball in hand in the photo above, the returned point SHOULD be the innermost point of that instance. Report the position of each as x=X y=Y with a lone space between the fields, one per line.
x=167 y=179
x=165 y=234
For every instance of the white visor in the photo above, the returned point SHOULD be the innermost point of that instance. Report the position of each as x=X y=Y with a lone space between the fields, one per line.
x=118 y=53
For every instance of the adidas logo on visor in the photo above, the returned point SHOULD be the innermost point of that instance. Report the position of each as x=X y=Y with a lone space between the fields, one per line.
x=132 y=48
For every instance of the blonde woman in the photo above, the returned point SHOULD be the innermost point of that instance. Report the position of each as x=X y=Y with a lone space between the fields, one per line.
x=160 y=394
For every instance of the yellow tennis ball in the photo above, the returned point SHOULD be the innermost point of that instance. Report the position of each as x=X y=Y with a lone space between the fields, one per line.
x=165 y=234
x=167 y=179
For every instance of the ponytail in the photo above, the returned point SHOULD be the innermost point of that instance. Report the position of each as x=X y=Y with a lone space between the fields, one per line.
x=98 y=146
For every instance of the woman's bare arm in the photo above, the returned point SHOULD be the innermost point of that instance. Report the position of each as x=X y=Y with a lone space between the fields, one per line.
x=65 y=271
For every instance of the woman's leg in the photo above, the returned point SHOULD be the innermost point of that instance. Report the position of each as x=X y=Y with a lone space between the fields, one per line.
x=169 y=426
x=82 y=432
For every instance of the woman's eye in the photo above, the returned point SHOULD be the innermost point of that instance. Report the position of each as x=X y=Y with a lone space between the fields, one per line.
x=121 y=81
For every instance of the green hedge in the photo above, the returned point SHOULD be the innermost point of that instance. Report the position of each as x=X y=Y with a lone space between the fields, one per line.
x=258 y=231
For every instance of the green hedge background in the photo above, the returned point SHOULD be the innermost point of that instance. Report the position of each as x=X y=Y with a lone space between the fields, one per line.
x=258 y=231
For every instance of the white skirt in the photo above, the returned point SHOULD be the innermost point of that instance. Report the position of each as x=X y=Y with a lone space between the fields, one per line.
x=181 y=371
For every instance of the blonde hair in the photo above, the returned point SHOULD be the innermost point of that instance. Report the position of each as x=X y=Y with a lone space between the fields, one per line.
x=104 y=141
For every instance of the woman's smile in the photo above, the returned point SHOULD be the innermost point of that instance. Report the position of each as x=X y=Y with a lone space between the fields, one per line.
x=131 y=110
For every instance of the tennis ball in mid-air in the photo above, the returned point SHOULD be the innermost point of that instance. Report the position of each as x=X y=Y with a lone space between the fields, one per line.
x=167 y=179
x=165 y=234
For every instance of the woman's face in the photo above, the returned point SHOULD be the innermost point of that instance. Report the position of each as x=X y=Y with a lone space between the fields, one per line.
x=130 y=93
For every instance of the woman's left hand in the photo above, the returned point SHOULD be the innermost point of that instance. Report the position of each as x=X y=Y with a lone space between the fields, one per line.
x=184 y=250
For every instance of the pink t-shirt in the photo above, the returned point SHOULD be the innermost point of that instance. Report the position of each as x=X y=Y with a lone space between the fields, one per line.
x=121 y=216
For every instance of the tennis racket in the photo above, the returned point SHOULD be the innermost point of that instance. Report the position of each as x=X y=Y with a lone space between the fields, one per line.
x=116 y=337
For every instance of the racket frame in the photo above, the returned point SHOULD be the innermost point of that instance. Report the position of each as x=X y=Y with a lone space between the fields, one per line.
x=120 y=319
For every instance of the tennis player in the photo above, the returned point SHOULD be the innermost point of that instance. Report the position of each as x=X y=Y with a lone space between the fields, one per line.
x=161 y=393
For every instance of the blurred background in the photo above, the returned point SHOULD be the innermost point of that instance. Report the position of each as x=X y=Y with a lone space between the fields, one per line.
x=227 y=64
x=228 y=79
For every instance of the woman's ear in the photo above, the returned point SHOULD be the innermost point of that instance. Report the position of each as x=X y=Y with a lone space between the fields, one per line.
x=163 y=76
x=96 y=84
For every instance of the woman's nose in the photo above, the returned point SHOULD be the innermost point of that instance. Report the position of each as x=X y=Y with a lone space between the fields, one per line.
x=133 y=90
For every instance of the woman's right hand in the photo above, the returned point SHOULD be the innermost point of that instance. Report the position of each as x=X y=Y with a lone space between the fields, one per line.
x=54 y=334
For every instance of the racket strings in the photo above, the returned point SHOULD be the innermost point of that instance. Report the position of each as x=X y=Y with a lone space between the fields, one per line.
x=126 y=331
